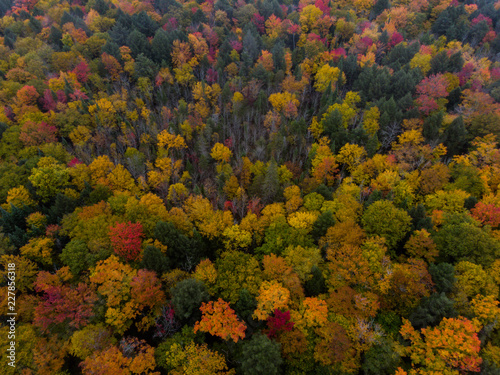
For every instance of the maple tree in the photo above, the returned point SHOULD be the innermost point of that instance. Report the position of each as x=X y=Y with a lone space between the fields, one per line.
x=334 y=346
x=409 y=283
x=237 y=270
x=63 y=305
x=126 y=239
x=219 y=319
x=279 y=323
x=272 y=296
x=131 y=357
x=432 y=91
x=451 y=347
x=113 y=280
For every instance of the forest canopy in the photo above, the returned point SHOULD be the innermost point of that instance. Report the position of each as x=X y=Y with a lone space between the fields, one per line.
x=250 y=187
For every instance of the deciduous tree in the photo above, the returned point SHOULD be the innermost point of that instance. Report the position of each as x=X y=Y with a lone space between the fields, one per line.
x=219 y=319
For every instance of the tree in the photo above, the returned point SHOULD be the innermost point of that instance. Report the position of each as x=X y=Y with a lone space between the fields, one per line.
x=62 y=306
x=382 y=218
x=432 y=310
x=153 y=259
x=26 y=271
x=443 y=276
x=409 y=283
x=210 y=223
x=33 y=134
x=326 y=76
x=348 y=266
x=112 y=66
x=138 y=44
x=260 y=355
x=180 y=249
x=312 y=313
x=48 y=177
x=451 y=347
x=187 y=296
x=126 y=239
x=334 y=346
x=279 y=323
x=272 y=296
x=27 y=95
x=147 y=295
x=113 y=280
x=432 y=93
x=39 y=249
x=462 y=239
x=381 y=359
x=271 y=185
x=302 y=260
x=91 y=339
x=194 y=359
x=219 y=319
x=26 y=341
x=420 y=245
x=276 y=268
x=236 y=271
x=488 y=214
x=133 y=356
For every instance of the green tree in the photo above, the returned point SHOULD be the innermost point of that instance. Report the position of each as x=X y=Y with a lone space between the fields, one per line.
x=153 y=259
x=461 y=238
x=432 y=310
x=236 y=271
x=138 y=44
x=271 y=185
x=383 y=219
x=443 y=276
x=77 y=256
x=260 y=355
x=187 y=296
x=381 y=358
x=321 y=225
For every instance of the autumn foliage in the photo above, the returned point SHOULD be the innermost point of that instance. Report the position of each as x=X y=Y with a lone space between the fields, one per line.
x=126 y=239
x=250 y=187
x=219 y=319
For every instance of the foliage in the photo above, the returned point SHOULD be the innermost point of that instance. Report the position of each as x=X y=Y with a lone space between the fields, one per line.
x=260 y=355
x=126 y=239
x=427 y=353
x=382 y=218
x=220 y=320
x=196 y=359
x=187 y=296
x=131 y=357
x=308 y=173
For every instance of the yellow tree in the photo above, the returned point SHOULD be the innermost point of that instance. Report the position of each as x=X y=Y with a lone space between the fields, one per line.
x=272 y=296
x=194 y=359
x=129 y=292
x=312 y=313
x=326 y=76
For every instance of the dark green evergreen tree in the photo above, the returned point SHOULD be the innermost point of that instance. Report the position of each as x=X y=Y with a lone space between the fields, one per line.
x=260 y=355
x=187 y=296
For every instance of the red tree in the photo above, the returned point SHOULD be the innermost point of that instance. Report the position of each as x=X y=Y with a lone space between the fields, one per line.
x=487 y=214
x=62 y=304
x=430 y=90
x=33 y=134
x=126 y=239
x=278 y=323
